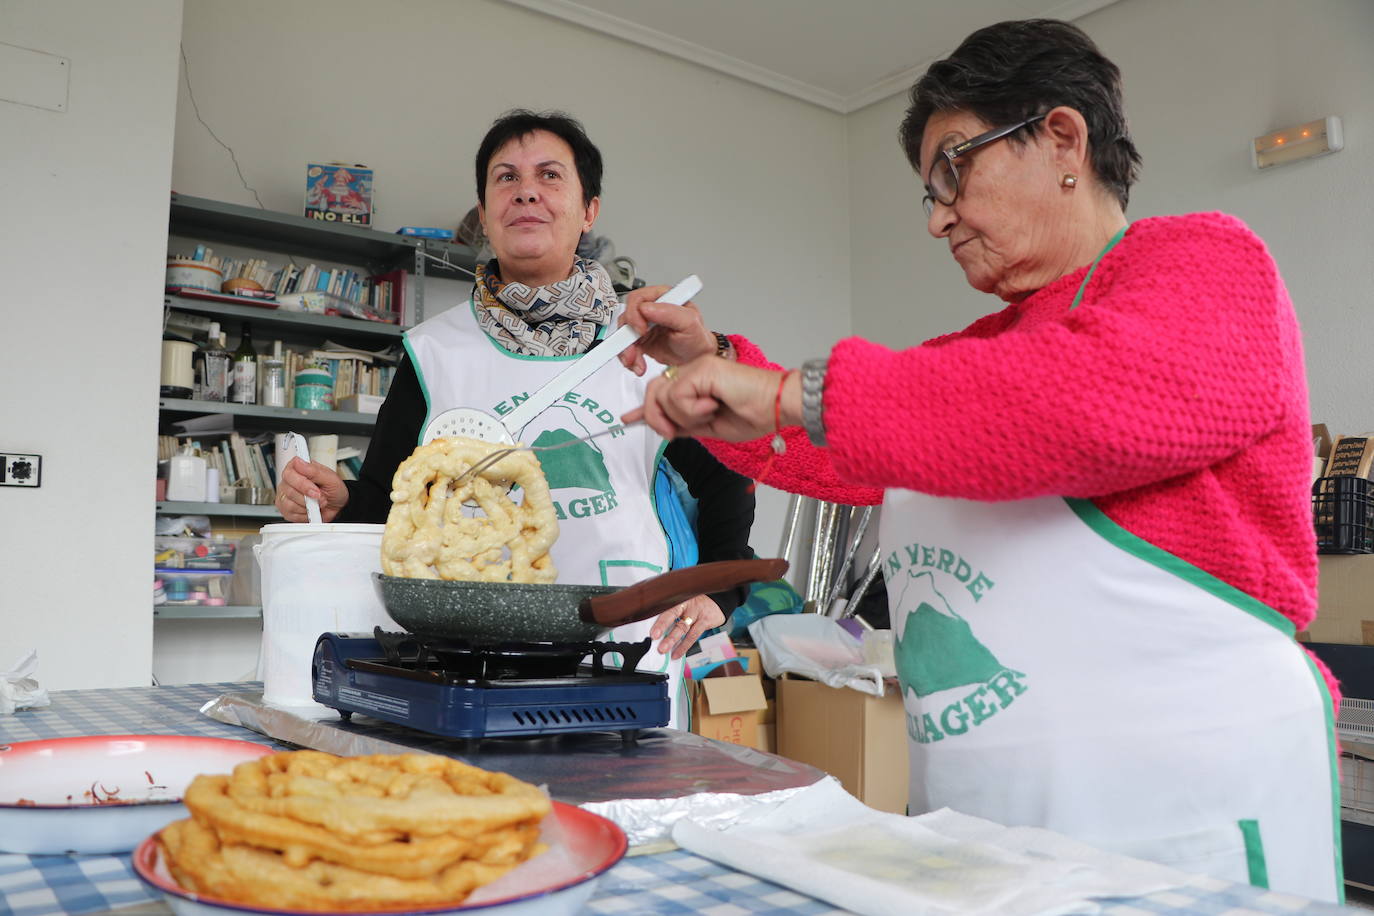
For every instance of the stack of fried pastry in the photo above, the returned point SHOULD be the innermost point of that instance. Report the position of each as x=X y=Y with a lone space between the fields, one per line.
x=428 y=534
x=308 y=830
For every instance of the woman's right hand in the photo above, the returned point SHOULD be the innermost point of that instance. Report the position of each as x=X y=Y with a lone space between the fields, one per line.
x=671 y=334
x=301 y=479
x=720 y=399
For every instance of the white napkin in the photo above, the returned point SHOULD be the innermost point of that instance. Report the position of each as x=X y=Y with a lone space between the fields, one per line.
x=826 y=843
x=20 y=691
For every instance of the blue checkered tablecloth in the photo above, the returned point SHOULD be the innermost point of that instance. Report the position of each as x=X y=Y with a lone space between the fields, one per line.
x=673 y=883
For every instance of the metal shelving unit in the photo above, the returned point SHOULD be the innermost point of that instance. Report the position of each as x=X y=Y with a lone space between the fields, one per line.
x=379 y=252
x=273 y=317
x=242 y=510
x=294 y=419
x=199 y=612
x=285 y=234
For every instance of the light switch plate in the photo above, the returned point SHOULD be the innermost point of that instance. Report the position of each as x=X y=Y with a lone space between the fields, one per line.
x=20 y=470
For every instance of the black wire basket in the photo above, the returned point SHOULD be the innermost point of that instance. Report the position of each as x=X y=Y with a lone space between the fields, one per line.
x=1343 y=512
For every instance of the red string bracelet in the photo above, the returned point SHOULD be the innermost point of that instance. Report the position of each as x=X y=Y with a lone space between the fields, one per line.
x=779 y=445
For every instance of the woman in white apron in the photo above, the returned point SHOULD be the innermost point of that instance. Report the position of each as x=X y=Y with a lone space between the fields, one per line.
x=534 y=307
x=1096 y=529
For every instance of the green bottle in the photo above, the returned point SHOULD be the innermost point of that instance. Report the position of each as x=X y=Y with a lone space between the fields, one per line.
x=245 y=387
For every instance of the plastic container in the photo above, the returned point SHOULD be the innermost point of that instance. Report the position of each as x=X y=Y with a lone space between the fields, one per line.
x=186 y=478
x=194 y=586
x=177 y=377
x=191 y=554
x=314 y=389
x=1343 y=514
x=183 y=273
x=314 y=578
x=272 y=386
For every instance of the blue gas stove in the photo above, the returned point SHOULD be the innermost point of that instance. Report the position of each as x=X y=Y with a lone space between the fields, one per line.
x=461 y=690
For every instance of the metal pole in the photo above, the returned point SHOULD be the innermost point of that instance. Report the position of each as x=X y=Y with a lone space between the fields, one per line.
x=875 y=563
x=817 y=559
x=789 y=527
x=842 y=579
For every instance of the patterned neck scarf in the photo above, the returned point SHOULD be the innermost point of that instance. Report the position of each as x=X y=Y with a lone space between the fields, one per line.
x=560 y=319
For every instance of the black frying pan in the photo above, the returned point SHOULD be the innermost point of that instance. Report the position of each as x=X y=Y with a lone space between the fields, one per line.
x=511 y=612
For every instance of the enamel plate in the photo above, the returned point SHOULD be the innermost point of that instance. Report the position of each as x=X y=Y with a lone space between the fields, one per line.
x=582 y=847
x=104 y=793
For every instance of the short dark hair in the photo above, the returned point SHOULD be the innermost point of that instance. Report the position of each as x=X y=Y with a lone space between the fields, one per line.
x=1012 y=71
x=521 y=122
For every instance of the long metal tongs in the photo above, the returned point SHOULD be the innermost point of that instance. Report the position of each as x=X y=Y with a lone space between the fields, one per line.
x=497 y=455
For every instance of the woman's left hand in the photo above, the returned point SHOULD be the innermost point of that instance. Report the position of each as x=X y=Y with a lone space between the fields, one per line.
x=680 y=627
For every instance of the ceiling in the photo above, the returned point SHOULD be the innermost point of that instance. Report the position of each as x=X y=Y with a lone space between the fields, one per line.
x=838 y=54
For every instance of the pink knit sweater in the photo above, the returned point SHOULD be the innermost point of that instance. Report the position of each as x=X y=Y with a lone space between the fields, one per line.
x=1173 y=397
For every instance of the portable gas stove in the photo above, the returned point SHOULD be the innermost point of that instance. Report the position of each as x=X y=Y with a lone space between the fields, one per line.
x=453 y=688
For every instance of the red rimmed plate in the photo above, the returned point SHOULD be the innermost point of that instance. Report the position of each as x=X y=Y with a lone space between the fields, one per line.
x=582 y=847
x=103 y=793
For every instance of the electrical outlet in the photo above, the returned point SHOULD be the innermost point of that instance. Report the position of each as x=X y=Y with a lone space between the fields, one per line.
x=20 y=470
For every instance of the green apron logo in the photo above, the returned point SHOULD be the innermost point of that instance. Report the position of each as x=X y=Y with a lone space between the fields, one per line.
x=579 y=465
x=936 y=652
x=575 y=465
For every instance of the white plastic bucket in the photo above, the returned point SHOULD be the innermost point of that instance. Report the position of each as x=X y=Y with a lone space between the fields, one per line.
x=315 y=578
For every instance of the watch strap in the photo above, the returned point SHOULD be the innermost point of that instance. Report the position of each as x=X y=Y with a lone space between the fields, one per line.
x=812 y=395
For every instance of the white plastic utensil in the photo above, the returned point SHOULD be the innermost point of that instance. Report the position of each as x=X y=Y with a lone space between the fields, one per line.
x=475 y=423
x=302 y=451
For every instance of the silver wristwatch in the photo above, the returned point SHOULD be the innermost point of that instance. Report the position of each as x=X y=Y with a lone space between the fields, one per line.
x=812 y=389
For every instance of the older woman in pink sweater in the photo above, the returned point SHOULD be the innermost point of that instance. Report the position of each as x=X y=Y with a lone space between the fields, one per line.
x=1095 y=594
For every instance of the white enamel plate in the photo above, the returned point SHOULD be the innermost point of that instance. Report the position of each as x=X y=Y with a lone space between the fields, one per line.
x=104 y=793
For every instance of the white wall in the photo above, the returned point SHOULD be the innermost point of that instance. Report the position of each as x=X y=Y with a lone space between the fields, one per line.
x=1201 y=80
x=84 y=224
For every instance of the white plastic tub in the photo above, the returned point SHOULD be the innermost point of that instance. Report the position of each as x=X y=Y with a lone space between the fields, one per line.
x=315 y=578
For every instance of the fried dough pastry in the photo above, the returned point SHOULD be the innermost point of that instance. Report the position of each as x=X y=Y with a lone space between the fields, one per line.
x=243 y=874
x=427 y=536
x=326 y=832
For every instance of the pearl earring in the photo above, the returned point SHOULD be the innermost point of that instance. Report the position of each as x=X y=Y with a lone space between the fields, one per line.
x=1069 y=181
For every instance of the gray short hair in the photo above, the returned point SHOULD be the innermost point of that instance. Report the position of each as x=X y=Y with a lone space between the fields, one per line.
x=1012 y=71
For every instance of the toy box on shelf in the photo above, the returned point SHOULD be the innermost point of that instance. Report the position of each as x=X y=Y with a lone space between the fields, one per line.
x=339 y=193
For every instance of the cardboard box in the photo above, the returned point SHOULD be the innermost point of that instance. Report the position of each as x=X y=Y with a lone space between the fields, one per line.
x=727 y=708
x=1345 y=601
x=859 y=739
x=768 y=714
x=337 y=192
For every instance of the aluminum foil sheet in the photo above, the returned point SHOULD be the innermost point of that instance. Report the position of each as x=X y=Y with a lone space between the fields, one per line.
x=645 y=786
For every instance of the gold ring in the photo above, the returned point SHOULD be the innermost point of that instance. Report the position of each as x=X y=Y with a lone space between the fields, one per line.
x=687 y=620
x=670 y=373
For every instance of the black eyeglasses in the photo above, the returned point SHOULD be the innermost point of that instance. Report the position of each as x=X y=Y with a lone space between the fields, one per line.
x=944 y=177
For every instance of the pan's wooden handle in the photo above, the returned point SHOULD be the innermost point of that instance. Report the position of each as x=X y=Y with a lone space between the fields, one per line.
x=654 y=596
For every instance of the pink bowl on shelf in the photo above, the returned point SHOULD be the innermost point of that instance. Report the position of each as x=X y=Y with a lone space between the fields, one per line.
x=583 y=847
x=103 y=793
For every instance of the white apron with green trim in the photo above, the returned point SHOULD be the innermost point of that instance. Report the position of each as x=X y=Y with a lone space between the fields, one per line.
x=1060 y=672
x=609 y=533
